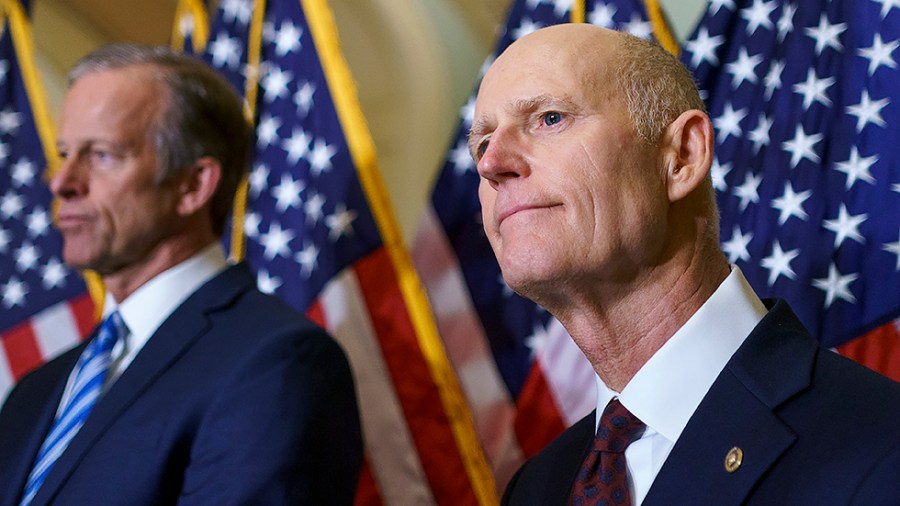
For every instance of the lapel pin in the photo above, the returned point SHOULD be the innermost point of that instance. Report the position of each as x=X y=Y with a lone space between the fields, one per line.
x=733 y=459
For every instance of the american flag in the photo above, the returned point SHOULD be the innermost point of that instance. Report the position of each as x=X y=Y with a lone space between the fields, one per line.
x=44 y=306
x=523 y=376
x=805 y=101
x=319 y=233
x=191 y=29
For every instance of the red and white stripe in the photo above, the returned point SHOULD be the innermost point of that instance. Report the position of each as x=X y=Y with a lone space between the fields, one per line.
x=42 y=337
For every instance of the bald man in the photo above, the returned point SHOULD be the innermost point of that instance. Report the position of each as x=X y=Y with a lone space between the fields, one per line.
x=594 y=150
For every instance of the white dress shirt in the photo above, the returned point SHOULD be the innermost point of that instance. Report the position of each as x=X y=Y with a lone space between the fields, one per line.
x=666 y=391
x=151 y=304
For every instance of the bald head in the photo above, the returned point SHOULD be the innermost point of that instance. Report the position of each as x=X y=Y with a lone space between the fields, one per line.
x=654 y=86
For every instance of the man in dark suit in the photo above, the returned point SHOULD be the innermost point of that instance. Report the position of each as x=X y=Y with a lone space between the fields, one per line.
x=197 y=389
x=594 y=151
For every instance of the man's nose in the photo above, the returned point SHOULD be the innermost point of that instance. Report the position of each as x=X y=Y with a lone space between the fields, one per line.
x=505 y=157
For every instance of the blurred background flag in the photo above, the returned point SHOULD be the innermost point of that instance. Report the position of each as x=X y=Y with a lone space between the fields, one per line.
x=524 y=378
x=191 y=29
x=315 y=224
x=806 y=108
x=44 y=307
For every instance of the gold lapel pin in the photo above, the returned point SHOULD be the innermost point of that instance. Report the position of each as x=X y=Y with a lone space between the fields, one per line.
x=733 y=459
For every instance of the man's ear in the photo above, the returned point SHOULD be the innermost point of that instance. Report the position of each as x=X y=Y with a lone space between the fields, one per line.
x=689 y=142
x=198 y=185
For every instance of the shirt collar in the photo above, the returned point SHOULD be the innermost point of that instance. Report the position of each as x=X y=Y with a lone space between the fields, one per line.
x=666 y=390
x=151 y=304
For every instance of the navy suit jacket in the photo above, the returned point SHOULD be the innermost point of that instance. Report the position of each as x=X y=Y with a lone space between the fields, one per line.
x=815 y=429
x=236 y=399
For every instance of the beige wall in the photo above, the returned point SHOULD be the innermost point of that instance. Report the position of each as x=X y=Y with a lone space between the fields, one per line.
x=415 y=62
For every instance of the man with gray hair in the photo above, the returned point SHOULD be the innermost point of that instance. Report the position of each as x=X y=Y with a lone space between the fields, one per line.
x=196 y=388
x=594 y=152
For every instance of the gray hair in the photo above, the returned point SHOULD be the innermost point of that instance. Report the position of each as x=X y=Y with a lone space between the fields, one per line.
x=657 y=87
x=203 y=116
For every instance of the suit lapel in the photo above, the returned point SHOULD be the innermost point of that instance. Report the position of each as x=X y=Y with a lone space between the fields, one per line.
x=739 y=411
x=25 y=440
x=173 y=338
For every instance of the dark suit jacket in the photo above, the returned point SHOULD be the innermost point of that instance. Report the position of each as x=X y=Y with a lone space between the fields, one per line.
x=815 y=428
x=236 y=399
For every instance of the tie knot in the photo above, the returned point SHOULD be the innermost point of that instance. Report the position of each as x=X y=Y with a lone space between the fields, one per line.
x=111 y=330
x=618 y=428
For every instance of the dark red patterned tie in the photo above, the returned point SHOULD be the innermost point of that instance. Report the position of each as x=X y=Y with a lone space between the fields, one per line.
x=602 y=479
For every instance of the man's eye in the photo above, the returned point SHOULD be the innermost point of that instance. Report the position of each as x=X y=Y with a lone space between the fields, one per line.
x=551 y=118
x=481 y=148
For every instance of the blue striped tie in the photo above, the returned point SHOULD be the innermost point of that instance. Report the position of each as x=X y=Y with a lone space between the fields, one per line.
x=88 y=383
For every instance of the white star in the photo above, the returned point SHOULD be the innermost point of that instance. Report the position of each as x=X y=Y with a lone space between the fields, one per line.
x=340 y=223
x=461 y=158
x=760 y=135
x=287 y=192
x=857 y=168
x=275 y=83
x=297 y=146
x=786 y=21
x=237 y=10
x=894 y=247
x=791 y=204
x=779 y=263
x=252 y=221
x=27 y=257
x=773 y=78
x=538 y=339
x=276 y=241
x=308 y=258
x=801 y=146
x=14 y=293
x=868 y=111
x=638 y=27
x=525 y=27
x=467 y=113
x=703 y=48
x=716 y=5
x=225 y=51
x=814 y=89
x=259 y=179
x=718 y=172
x=38 y=222
x=267 y=131
x=23 y=172
x=836 y=286
x=10 y=121
x=758 y=15
x=602 y=16
x=729 y=122
x=879 y=54
x=303 y=98
x=561 y=7
x=320 y=157
x=747 y=191
x=826 y=34
x=887 y=5
x=11 y=205
x=736 y=247
x=267 y=283
x=287 y=38
x=53 y=274
x=743 y=69
x=186 y=25
x=313 y=207
x=846 y=225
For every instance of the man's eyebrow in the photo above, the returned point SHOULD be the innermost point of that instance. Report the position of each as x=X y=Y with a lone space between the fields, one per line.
x=479 y=127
